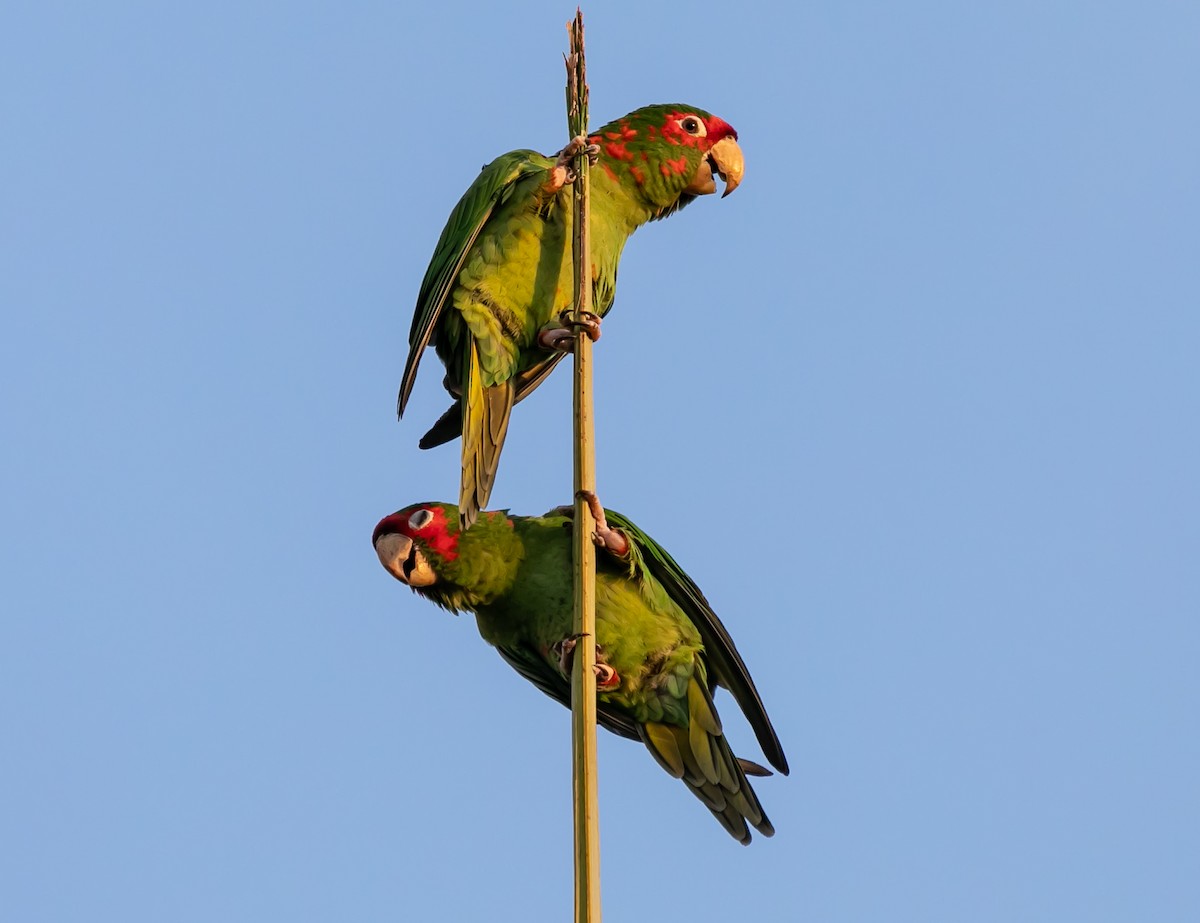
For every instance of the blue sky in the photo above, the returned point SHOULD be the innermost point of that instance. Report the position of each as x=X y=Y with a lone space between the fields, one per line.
x=916 y=406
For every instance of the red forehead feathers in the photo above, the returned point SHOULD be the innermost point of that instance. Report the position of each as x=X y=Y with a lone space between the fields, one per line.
x=718 y=128
x=714 y=130
x=435 y=534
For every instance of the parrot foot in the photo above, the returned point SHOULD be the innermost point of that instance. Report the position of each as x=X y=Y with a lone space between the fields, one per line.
x=606 y=677
x=610 y=539
x=561 y=336
x=576 y=146
x=563 y=171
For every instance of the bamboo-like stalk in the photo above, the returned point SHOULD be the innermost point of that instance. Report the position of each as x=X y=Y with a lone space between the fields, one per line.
x=583 y=679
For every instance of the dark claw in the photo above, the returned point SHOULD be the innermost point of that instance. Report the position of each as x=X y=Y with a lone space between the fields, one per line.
x=606 y=676
x=565 y=649
x=588 y=322
x=574 y=147
x=562 y=337
x=559 y=339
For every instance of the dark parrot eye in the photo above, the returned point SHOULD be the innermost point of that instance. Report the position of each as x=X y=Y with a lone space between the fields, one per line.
x=693 y=126
x=420 y=519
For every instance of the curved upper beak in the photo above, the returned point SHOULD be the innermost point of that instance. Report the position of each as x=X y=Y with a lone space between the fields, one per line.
x=729 y=163
x=725 y=160
x=402 y=559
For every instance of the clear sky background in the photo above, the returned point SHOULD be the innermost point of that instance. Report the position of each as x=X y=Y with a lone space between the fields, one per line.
x=917 y=407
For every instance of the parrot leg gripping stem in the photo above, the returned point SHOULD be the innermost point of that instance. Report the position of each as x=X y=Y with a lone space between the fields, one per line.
x=563 y=171
x=561 y=336
x=606 y=677
x=610 y=539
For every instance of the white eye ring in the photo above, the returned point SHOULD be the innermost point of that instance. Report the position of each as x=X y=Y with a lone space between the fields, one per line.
x=698 y=129
x=420 y=519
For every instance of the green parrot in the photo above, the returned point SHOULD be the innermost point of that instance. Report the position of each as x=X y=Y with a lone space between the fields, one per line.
x=661 y=651
x=500 y=278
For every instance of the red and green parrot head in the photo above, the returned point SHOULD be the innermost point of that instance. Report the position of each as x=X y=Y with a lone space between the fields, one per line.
x=423 y=546
x=415 y=543
x=670 y=153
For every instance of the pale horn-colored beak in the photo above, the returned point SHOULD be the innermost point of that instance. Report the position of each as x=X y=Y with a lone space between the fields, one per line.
x=724 y=159
x=404 y=561
x=729 y=162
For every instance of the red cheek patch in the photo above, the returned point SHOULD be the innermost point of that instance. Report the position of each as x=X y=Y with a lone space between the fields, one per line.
x=437 y=535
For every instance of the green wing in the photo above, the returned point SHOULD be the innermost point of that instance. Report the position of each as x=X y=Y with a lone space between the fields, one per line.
x=491 y=188
x=726 y=663
x=531 y=665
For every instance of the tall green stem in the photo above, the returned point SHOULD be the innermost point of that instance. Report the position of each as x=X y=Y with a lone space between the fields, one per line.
x=583 y=679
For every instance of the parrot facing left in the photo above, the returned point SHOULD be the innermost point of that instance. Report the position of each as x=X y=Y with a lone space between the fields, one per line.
x=661 y=651
x=501 y=275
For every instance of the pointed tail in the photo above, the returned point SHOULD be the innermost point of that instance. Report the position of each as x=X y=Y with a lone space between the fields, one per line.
x=700 y=755
x=484 y=425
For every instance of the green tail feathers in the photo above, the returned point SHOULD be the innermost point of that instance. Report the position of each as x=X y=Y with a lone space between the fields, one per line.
x=449 y=424
x=485 y=424
x=699 y=755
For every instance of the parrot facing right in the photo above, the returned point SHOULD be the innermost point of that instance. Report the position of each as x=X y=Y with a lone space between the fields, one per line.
x=661 y=651
x=501 y=272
